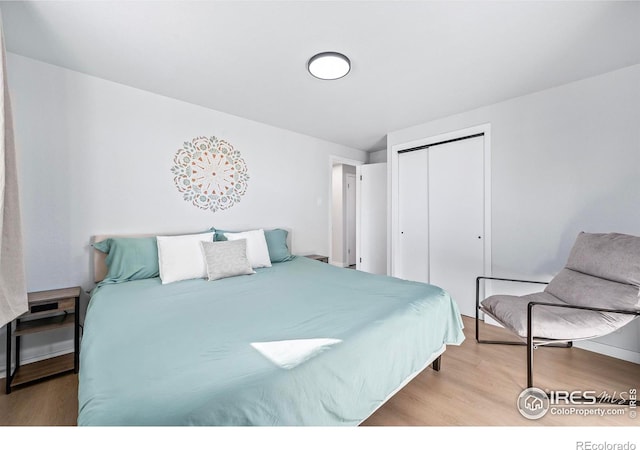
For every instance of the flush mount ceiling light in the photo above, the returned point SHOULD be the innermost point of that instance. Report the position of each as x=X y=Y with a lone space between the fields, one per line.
x=329 y=65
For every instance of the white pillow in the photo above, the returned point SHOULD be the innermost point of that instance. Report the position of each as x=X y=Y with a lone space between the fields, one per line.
x=257 y=250
x=181 y=258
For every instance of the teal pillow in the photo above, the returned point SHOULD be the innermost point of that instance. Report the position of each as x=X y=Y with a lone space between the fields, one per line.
x=276 y=243
x=130 y=258
x=218 y=235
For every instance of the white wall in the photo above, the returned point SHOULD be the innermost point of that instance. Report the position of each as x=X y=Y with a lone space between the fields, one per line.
x=95 y=158
x=378 y=157
x=564 y=160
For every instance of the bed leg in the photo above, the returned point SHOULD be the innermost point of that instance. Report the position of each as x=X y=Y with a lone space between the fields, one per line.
x=436 y=363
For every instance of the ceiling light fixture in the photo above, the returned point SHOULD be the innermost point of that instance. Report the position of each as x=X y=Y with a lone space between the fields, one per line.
x=329 y=65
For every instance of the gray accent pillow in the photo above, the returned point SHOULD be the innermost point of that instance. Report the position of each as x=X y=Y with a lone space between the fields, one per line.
x=226 y=259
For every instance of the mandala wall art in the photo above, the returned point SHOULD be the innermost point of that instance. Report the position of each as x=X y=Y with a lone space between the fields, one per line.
x=210 y=173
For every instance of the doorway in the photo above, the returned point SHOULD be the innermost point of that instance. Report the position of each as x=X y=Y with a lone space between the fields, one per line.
x=350 y=219
x=343 y=215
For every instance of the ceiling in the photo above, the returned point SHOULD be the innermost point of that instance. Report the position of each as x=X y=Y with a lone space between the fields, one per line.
x=411 y=61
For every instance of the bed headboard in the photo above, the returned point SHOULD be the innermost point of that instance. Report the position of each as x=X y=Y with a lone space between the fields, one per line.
x=100 y=259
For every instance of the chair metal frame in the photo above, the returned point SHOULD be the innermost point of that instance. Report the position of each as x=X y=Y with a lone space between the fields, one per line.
x=530 y=341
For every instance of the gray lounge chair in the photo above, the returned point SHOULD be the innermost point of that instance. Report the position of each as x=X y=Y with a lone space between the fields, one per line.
x=595 y=294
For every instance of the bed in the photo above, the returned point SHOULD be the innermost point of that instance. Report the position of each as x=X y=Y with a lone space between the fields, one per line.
x=298 y=343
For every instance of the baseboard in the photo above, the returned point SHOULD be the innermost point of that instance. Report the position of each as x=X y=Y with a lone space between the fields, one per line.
x=36 y=354
x=609 y=350
x=339 y=264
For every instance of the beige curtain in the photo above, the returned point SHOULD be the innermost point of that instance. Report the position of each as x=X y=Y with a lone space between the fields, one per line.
x=13 y=292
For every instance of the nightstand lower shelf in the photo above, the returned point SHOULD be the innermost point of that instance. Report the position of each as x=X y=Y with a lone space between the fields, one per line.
x=42 y=369
x=50 y=310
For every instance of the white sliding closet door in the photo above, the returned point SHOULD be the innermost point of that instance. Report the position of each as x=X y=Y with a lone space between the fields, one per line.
x=456 y=219
x=413 y=220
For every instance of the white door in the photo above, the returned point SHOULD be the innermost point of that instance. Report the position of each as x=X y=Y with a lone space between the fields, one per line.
x=350 y=218
x=456 y=219
x=371 y=218
x=413 y=217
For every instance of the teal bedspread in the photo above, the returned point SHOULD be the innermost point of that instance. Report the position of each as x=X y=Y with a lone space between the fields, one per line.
x=300 y=343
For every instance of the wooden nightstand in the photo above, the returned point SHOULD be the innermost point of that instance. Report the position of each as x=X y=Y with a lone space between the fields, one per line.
x=48 y=310
x=324 y=259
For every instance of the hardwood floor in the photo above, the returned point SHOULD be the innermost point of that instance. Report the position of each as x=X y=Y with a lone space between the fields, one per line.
x=50 y=402
x=478 y=385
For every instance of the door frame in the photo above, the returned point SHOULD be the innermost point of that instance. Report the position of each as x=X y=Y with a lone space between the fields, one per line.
x=394 y=226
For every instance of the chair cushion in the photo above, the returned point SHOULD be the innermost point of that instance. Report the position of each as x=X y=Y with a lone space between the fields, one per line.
x=576 y=288
x=551 y=322
x=612 y=256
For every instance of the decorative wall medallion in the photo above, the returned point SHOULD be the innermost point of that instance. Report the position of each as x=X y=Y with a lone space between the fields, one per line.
x=210 y=173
